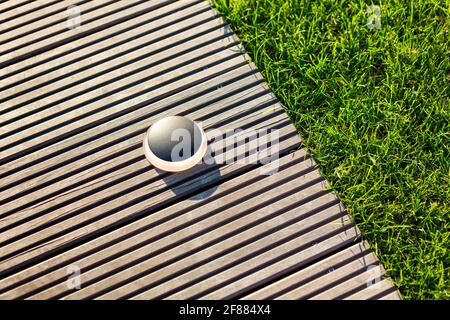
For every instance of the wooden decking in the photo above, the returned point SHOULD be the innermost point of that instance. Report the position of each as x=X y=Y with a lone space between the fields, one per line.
x=76 y=192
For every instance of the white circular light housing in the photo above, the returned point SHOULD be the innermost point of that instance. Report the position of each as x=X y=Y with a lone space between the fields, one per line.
x=174 y=144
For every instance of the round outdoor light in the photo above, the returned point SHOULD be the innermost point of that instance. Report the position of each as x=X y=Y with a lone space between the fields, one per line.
x=174 y=144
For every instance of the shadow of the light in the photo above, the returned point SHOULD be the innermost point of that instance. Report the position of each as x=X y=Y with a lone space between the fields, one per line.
x=194 y=179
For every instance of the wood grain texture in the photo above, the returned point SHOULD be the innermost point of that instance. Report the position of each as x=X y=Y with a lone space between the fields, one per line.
x=381 y=289
x=77 y=191
x=312 y=273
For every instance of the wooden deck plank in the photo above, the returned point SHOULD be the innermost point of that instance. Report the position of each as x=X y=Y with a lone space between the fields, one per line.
x=71 y=121
x=226 y=64
x=9 y=6
x=189 y=100
x=226 y=104
x=54 y=209
x=314 y=289
x=162 y=238
x=33 y=20
x=76 y=190
x=216 y=280
x=91 y=45
x=391 y=296
x=216 y=265
x=161 y=47
x=263 y=276
x=12 y=10
x=20 y=35
x=369 y=268
x=87 y=201
x=204 y=114
x=43 y=37
x=374 y=289
x=308 y=274
x=127 y=210
x=132 y=95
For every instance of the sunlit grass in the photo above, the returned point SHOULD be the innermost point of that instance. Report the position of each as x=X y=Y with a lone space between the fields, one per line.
x=373 y=108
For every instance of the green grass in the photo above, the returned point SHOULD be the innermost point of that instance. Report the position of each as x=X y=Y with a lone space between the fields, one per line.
x=373 y=108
